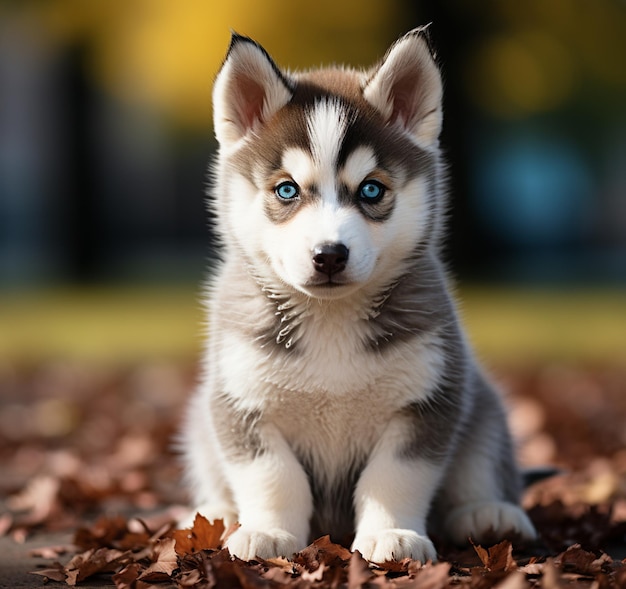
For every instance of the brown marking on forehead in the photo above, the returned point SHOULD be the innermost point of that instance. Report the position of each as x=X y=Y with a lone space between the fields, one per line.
x=367 y=126
x=330 y=82
x=289 y=126
x=265 y=149
x=394 y=149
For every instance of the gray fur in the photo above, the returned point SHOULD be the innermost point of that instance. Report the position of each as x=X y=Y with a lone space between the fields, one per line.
x=237 y=430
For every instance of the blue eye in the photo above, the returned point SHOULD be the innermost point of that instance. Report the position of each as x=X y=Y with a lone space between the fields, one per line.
x=287 y=190
x=371 y=191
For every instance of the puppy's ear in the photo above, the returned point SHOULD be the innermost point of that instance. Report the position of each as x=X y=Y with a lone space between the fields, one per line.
x=248 y=90
x=406 y=87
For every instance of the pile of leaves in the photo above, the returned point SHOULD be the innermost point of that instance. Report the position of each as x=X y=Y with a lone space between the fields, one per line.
x=80 y=439
x=77 y=442
x=140 y=558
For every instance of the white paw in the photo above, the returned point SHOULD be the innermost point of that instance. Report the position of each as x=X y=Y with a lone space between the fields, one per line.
x=394 y=544
x=492 y=521
x=248 y=544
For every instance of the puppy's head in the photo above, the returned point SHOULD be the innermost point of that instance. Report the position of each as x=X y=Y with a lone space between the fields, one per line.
x=327 y=179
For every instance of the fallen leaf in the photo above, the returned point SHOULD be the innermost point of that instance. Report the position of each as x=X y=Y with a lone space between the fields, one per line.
x=6 y=522
x=550 y=577
x=38 y=501
x=316 y=575
x=497 y=558
x=54 y=572
x=203 y=535
x=95 y=561
x=127 y=577
x=110 y=532
x=322 y=551
x=166 y=562
x=223 y=569
x=49 y=552
x=515 y=580
x=433 y=576
x=358 y=571
x=577 y=560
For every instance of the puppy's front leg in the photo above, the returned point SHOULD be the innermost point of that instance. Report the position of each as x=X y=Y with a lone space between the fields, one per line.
x=273 y=498
x=392 y=500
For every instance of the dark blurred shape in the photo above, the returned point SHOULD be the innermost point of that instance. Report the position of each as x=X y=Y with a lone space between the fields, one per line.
x=83 y=229
x=535 y=132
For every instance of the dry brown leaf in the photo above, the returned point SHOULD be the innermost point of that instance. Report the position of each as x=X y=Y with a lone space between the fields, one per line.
x=203 y=535
x=127 y=577
x=515 y=580
x=95 y=561
x=278 y=577
x=550 y=578
x=223 y=569
x=49 y=552
x=498 y=558
x=577 y=560
x=281 y=563
x=316 y=575
x=54 y=572
x=432 y=576
x=166 y=562
x=110 y=532
x=358 y=571
x=322 y=551
x=37 y=502
x=6 y=523
x=619 y=577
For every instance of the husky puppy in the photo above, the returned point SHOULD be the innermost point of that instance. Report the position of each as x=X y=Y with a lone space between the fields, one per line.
x=339 y=394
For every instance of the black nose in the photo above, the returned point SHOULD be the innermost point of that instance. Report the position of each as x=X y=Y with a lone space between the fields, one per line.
x=330 y=258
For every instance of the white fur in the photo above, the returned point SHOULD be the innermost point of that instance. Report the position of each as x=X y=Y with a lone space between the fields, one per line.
x=274 y=501
x=496 y=518
x=372 y=247
x=324 y=222
x=359 y=165
x=299 y=166
x=327 y=126
x=392 y=517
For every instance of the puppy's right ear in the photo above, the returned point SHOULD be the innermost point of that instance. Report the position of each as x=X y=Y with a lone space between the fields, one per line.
x=248 y=90
x=406 y=88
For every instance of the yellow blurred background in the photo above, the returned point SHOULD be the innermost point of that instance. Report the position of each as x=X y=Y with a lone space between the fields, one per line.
x=164 y=54
x=509 y=327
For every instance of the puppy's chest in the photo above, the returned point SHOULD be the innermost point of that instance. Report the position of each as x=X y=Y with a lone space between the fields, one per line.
x=332 y=391
x=330 y=397
x=329 y=432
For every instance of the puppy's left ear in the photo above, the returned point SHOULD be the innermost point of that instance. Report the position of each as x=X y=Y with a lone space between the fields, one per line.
x=406 y=88
x=248 y=90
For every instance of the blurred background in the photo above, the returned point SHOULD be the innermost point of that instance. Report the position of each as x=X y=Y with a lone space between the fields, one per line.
x=105 y=135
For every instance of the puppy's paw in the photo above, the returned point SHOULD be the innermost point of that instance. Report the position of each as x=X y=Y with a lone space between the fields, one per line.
x=488 y=521
x=394 y=544
x=247 y=544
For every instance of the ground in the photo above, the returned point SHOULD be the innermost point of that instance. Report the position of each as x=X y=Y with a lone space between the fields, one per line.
x=90 y=481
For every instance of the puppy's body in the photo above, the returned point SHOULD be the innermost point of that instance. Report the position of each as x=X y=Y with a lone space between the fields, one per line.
x=340 y=396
